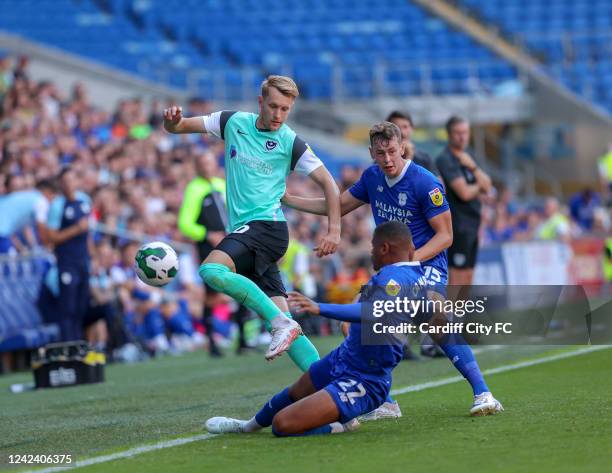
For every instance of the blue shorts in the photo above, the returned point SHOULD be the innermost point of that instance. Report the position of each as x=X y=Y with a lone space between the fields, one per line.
x=355 y=393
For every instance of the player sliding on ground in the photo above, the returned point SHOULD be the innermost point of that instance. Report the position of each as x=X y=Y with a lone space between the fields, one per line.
x=260 y=151
x=398 y=189
x=353 y=379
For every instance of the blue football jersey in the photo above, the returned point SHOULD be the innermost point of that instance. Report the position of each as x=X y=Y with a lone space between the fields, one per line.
x=63 y=214
x=394 y=280
x=413 y=197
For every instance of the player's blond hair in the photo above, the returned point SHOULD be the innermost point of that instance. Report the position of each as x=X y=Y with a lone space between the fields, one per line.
x=385 y=131
x=285 y=85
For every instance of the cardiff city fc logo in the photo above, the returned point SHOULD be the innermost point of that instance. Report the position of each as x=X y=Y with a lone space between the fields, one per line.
x=436 y=197
x=232 y=152
x=270 y=145
x=402 y=198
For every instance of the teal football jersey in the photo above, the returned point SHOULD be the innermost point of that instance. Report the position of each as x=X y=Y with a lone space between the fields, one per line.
x=257 y=163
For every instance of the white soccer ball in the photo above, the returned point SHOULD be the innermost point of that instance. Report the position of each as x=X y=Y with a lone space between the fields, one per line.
x=156 y=263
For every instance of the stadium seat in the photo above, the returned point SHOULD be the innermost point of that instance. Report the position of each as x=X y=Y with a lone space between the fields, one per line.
x=21 y=325
x=559 y=32
x=148 y=36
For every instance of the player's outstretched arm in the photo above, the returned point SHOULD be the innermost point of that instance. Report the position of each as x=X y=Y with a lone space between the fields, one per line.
x=329 y=243
x=343 y=312
x=312 y=205
x=175 y=122
x=317 y=205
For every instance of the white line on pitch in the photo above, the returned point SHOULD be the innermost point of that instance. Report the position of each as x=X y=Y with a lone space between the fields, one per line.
x=407 y=389
x=500 y=369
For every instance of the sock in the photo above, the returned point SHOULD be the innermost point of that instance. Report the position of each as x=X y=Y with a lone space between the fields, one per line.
x=245 y=291
x=302 y=352
x=390 y=399
x=460 y=353
x=265 y=415
x=324 y=429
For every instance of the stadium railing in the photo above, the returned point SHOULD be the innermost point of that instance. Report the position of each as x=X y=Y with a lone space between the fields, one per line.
x=21 y=325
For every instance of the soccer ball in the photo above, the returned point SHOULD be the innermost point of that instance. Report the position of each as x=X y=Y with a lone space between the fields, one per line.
x=156 y=263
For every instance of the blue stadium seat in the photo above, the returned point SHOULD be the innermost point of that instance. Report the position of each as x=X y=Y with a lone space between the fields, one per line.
x=558 y=32
x=21 y=326
x=187 y=34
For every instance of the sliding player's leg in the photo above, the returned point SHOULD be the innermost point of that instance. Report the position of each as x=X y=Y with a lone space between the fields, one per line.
x=302 y=388
x=313 y=415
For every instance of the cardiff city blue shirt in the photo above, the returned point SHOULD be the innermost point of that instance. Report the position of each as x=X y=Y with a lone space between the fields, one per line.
x=64 y=213
x=392 y=281
x=413 y=197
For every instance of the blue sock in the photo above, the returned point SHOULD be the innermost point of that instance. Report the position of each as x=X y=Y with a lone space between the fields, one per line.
x=268 y=411
x=460 y=353
x=324 y=429
x=390 y=399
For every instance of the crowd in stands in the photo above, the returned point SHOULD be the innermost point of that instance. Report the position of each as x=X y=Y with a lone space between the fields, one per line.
x=135 y=174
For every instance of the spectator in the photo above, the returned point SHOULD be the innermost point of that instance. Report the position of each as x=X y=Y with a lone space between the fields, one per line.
x=605 y=173
x=465 y=182
x=406 y=125
x=24 y=208
x=583 y=208
x=556 y=225
x=203 y=219
x=607 y=261
x=68 y=232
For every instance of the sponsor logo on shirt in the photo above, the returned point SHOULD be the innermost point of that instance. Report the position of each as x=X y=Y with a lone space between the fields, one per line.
x=436 y=197
x=390 y=212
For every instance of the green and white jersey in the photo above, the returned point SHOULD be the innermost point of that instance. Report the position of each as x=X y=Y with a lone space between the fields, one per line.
x=257 y=163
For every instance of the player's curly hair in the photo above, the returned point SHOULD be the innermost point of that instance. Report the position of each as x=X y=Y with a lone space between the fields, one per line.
x=385 y=131
x=285 y=85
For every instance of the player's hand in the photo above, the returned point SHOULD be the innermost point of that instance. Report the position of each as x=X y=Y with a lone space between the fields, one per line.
x=328 y=244
x=345 y=327
x=301 y=303
x=214 y=238
x=172 y=117
x=286 y=199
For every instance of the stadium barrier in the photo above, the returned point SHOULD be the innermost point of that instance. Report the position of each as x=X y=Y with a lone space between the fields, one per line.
x=542 y=263
x=524 y=263
x=21 y=325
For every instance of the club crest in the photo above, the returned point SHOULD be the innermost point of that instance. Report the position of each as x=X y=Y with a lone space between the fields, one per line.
x=270 y=145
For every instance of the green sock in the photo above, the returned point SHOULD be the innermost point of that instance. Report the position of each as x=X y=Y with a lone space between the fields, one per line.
x=245 y=291
x=302 y=352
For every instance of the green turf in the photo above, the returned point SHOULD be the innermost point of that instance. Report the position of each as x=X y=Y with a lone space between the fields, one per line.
x=559 y=418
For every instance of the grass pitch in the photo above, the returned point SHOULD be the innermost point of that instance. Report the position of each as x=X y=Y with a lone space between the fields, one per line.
x=558 y=418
